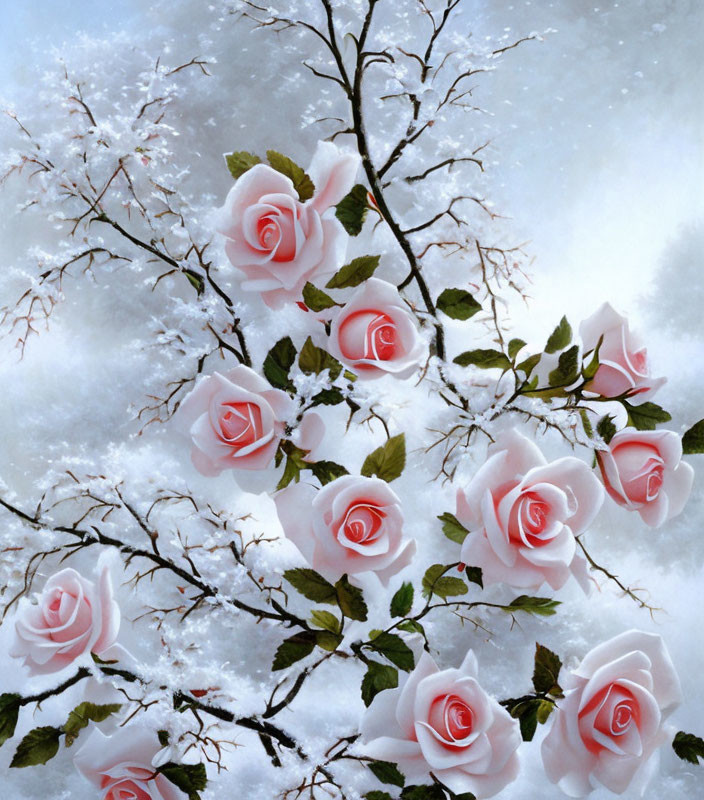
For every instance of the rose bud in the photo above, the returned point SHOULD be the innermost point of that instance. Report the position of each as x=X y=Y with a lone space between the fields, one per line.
x=375 y=334
x=643 y=471
x=623 y=359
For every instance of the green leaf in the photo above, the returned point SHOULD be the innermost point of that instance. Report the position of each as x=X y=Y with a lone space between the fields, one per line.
x=301 y=181
x=38 y=746
x=326 y=471
x=688 y=747
x=560 y=337
x=376 y=794
x=354 y=273
x=311 y=585
x=294 y=649
x=83 y=714
x=395 y=649
x=529 y=364
x=606 y=428
x=546 y=671
x=693 y=439
x=325 y=620
x=239 y=162
x=294 y=463
x=586 y=423
x=592 y=367
x=567 y=370
x=514 y=348
x=9 y=711
x=387 y=772
x=402 y=601
x=189 y=778
x=485 y=359
x=278 y=363
x=351 y=600
x=327 y=640
x=377 y=678
x=458 y=304
x=316 y=299
x=164 y=737
x=646 y=416
x=411 y=626
x=435 y=582
x=475 y=575
x=388 y=461
x=352 y=209
x=328 y=397
x=540 y=606
x=423 y=792
x=453 y=528
x=313 y=360
x=529 y=711
x=195 y=280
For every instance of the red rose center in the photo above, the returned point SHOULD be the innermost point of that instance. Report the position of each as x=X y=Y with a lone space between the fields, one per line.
x=362 y=524
x=451 y=717
x=240 y=423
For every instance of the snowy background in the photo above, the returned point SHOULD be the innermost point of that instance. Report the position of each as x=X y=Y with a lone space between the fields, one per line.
x=597 y=159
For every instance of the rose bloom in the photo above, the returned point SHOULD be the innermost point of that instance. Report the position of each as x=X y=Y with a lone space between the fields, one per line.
x=277 y=241
x=523 y=515
x=72 y=616
x=375 y=334
x=643 y=471
x=610 y=721
x=445 y=723
x=351 y=525
x=234 y=421
x=623 y=359
x=121 y=766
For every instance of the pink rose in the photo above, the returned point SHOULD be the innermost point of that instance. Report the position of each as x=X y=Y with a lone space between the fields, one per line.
x=351 y=525
x=643 y=471
x=71 y=616
x=523 y=515
x=375 y=334
x=623 y=359
x=235 y=421
x=121 y=766
x=277 y=241
x=609 y=723
x=445 y=723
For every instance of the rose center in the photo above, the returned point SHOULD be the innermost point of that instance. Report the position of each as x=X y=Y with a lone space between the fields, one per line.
x=451 y=717
x=269 y=233
x=362 y=524
x=621 y=719
x=127 y=790
x=240 y=423
x=370 y=335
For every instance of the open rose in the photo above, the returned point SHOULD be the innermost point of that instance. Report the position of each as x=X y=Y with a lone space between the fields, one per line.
x=72 y=616
x=351 y=525
x=444 y=722
x=234 y=421
x=523 y=515
x=611 y=719
x=122 y=766
x=277 y=241
x=375 y=334
x=623 y=359
x=643 y=471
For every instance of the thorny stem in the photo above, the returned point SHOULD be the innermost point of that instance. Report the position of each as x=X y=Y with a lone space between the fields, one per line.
x=625 y=589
